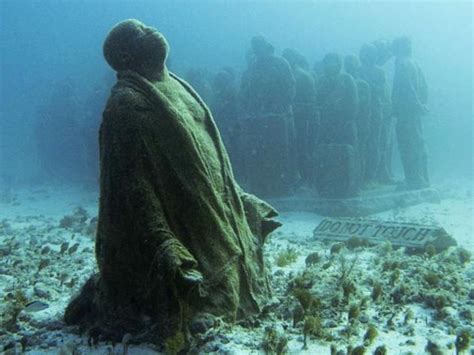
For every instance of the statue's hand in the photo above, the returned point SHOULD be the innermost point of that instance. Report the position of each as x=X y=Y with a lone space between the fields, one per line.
x=181 y=264
x=269 y=225
x=190 y=277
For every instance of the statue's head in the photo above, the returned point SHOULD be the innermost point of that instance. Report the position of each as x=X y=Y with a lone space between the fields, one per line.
x=368 y=54
x=261 y=47
x=295 y=58
x=401 y=47
x=351 y=65
x=332 y=64
x=131 y=45
x=384 y=51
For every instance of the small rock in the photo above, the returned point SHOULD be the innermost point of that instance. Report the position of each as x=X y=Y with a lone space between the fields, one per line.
x=466 y=314
x=202 y=323
x=4 y=251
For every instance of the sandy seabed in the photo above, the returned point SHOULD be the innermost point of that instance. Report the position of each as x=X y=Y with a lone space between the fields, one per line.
x=47 y=253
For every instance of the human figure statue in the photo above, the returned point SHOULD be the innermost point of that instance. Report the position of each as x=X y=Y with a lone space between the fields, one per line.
x=387 y=131
x=224 y=108
x=267 y=92
x=336 y=96
x=304 y=110
x=409 y=98
x=177 y=238
x=375 y=77
x=352 y=67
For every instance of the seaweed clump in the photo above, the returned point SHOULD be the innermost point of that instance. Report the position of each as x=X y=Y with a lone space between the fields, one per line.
x=463 y=340
x=380 y=350
x=274 y=343
x=286 y=257
x=370 y=335
x=17 y=302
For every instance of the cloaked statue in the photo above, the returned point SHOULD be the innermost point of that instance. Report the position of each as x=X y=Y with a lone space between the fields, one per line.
x=306 y=115
x=409 y=99
x=352 y=67
x=267 y=92
x=336 y=160
x=374 y=75
x=178 y=241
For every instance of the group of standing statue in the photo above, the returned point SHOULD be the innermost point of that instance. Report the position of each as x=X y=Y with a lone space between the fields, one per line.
x=331 y=128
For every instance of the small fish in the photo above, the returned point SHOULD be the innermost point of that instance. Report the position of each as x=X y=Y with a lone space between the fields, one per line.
x=36 y=306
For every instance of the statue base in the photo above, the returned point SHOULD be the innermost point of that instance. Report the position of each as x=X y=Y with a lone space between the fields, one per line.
x=368 y=202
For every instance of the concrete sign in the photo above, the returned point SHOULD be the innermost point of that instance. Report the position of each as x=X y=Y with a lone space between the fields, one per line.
x=400 y=234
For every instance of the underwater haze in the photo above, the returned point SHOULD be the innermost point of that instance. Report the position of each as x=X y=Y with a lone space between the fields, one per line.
x=46 y=44
x=324 y=217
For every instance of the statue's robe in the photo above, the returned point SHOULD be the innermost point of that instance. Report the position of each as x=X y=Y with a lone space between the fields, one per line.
x=267 y=93
x=168 y=197
x=306 y=119
x=375 y=77
x=363 y=127
x=336 y=173
x=409 y=97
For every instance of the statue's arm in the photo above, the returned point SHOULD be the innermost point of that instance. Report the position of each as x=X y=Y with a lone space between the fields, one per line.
x=351 y=98
x=409 y=75
x=260 y=215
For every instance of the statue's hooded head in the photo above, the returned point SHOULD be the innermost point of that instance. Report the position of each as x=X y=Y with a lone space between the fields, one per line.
x=401 y=47
x=131 y=45
x=261 y=47
x=384 y=51
x=295 y=58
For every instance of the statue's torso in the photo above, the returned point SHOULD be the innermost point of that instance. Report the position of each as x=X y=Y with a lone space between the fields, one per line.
x=195 y=116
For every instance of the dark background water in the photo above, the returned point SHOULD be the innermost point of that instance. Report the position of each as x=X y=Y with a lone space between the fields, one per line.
x=50 y=49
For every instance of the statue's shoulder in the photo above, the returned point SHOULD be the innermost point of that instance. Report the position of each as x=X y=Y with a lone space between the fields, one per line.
x=125 y=99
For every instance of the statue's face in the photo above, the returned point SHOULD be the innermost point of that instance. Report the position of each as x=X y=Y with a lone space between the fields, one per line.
x=149 y=36
x=151 y=48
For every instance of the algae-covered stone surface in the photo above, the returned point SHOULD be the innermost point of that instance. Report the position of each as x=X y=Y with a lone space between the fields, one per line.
x=325 y=296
